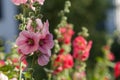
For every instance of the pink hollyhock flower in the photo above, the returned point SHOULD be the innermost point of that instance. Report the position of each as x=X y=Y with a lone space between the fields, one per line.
x=67 y=33
x=27 y=42
x=81 y=48
x=45 y=44
x=3 y=77
x=18 y=2
x=117 y=70
x=62 y=63
x=2 y=63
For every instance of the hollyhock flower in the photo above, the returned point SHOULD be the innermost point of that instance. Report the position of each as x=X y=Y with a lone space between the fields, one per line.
x=80 y=43
x=3 y=76
x=18 y=2
x=2 y=63
x=45 y=44
x=117 y=70
x=27 y=42
x=67 y=33
x=62 y=63
x=81 y=48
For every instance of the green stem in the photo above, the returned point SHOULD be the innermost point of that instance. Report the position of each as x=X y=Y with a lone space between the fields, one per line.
x=33 y=60
x=49 y=76
x=20 y=74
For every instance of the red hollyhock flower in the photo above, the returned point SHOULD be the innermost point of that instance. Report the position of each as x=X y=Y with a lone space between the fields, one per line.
x=62 y=63
x=2 y=63
x=81 y=48
x=117 y=70
x=67 y=33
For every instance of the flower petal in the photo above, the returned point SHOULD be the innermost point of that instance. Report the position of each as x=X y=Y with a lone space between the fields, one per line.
x=43 y=60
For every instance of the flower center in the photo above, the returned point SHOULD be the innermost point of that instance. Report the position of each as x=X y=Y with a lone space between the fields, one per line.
x=42 y=42
x=30 y=42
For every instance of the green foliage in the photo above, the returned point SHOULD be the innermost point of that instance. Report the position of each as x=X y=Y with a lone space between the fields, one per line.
x=88 y=13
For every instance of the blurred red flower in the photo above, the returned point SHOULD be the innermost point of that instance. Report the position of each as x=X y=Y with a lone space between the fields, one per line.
x=2 y=63
x=81 y=48
x=67 y=33
x=117 y=70
x=63 y=61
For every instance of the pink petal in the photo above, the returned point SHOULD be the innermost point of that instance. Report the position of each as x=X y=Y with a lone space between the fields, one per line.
x=22 y=44
x=43 y=60
x=45 y=29
x=18 y=2
x=41 y=1
x=39 y=23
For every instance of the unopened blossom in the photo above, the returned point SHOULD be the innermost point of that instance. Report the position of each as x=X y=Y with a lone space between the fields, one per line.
x=81 y=48
x=39 y=1
x=63 y=61
x=18 y=2
x=79 y=75
x=3 y=76
x=27 y=42
x=117 y=70
x=110 y=56
x=66 y=33
x=42 y=28
x=29 y=26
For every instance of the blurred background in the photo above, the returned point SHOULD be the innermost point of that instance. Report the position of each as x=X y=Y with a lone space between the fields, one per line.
x=101 y=17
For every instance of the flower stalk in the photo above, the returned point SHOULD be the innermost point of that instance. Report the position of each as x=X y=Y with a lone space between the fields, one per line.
x=20 y=73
